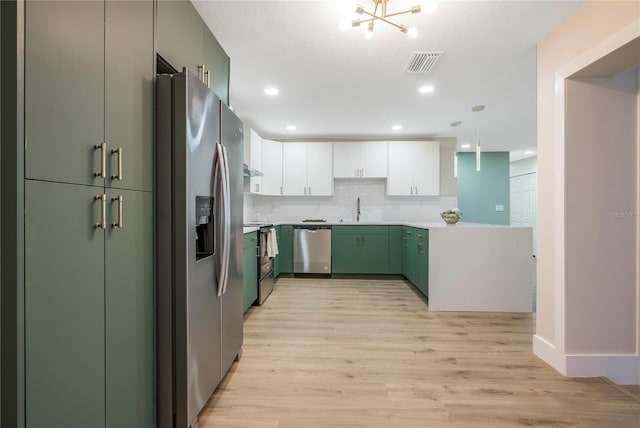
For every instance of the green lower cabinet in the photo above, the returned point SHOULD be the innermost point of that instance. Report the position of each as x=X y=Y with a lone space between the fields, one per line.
x=64 y=306
x=250 y=269
x=395 y=250
x=415 y=257
x=360 y=249
x=285 y=250
x=422 y=260
x=89 y=351
x=129 y=311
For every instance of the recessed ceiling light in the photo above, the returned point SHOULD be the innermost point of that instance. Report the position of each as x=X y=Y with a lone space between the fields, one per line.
x=396 y=127
x=528 y=152
x=271 y=91
x=291 y=127
x=465 y=146
x=426 y=89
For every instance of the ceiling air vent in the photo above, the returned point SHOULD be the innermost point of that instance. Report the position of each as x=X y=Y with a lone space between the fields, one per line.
x=423 y=62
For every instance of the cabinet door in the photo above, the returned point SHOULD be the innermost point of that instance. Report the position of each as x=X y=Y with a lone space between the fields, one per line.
x=395 y=249
x=129 y=86
x=64 y=306
x=255 y=161
x=405 y=251
x=179 y=34
x=373 y=159
x=346 y=160
x=420 y=261
x=346 y=254
x=319 y=169
x=217 y=63
x=294 y=168
x=375 y=249
x=271 y=167
x=285 y=248
x=426 y=168
x=64 y=90
x=129 y=310
x=400 y=180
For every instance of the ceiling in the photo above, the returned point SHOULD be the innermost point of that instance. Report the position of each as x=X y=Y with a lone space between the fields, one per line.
x=336 y=84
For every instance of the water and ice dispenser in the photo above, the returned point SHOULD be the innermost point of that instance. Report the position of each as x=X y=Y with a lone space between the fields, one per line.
x=204 y=227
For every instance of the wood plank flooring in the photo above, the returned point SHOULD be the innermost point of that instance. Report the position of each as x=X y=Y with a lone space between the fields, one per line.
x=368 y=353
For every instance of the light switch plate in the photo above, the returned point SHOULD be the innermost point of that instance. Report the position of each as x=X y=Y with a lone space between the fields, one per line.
x=499 y=208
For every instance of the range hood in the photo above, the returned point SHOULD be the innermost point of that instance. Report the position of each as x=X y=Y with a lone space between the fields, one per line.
x=247 y=171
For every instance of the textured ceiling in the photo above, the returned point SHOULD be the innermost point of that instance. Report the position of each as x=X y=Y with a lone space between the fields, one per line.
x=336 y=84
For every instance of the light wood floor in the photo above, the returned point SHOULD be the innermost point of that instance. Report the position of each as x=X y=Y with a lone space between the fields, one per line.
x=364 y=353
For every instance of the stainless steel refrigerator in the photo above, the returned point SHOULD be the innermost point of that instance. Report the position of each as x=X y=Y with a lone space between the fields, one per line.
x=199 y=245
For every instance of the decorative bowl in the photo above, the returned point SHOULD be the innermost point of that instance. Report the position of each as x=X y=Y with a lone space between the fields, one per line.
x=451 y=217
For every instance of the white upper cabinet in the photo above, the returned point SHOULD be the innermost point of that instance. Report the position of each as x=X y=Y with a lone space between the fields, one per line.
x=271 y=167
x=253 y=158
x=414 y=168
x=319 y=169
x=307 y=169
x=362 y=159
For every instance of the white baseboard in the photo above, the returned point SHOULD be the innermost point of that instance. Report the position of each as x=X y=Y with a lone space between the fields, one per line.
x=548 y=353
x=621 y=369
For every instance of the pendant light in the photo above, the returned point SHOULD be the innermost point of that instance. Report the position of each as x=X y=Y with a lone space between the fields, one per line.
x=476 y=109
x=455 y=152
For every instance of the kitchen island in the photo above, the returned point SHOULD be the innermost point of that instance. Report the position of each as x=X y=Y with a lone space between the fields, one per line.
x=465 y=267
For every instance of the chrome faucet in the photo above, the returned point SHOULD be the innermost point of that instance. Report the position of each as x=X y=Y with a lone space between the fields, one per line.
x=358 y=211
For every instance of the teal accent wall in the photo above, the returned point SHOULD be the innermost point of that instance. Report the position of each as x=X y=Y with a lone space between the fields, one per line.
x=480 y=191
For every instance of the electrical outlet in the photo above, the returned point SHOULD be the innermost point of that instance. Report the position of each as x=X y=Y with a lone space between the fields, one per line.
x=499 y=208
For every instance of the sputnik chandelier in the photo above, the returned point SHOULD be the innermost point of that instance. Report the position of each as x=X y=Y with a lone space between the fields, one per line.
x=380 y=13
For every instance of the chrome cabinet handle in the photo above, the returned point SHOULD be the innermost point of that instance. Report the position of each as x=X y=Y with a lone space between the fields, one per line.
x=118 y=224
x=281 y=190
x=355 y=172
x=305 y=190
x=309 y=190
x=201 y=72
x=103 y=160
x=118 y=152
x=362 y=172
x=416 y=190
x=103 y=202
x=207 y=78
x=412 y=190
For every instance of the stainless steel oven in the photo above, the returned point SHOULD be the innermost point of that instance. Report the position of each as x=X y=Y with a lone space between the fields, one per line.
x=266 y=279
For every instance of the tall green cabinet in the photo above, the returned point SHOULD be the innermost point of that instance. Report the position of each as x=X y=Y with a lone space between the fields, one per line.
x=89 y=347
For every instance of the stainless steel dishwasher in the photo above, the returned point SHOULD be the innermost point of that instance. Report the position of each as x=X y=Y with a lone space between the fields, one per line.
x=312 y=249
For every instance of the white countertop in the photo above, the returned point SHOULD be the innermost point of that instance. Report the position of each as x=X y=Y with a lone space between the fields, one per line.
x=416 y=223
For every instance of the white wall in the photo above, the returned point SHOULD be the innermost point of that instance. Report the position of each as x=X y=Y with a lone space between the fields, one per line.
x=375 y=206
x=595 y=31
x=600 y=173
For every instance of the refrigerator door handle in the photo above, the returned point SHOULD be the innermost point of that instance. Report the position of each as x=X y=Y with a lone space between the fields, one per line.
x=227 y=219
x=221 y=183
x=218 y=188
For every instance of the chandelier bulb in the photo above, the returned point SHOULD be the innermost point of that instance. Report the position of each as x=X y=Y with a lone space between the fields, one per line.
x=370 y=27
x=359 y=9
x=412 y=33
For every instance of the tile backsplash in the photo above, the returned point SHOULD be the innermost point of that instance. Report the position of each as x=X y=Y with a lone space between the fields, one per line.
x=374 y=204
